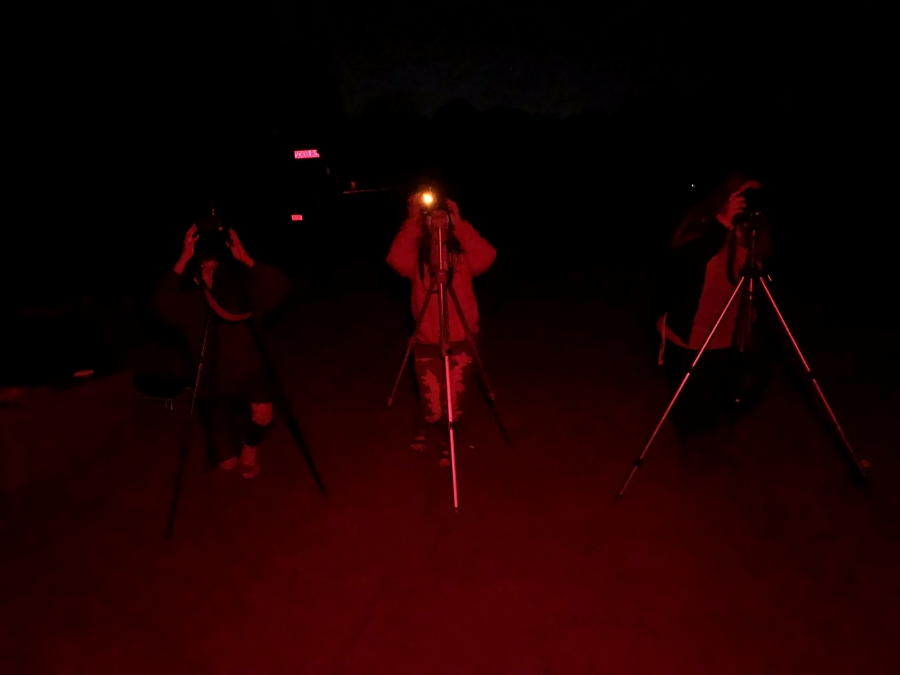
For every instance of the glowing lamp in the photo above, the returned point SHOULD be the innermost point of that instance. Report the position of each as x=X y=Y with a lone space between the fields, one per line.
x=427 y=199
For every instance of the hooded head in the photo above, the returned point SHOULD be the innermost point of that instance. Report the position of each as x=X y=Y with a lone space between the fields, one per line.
x=705 y=211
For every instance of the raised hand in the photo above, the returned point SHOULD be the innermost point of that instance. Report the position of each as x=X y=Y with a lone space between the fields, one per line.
x=237 y=249
x=414 y=205
x=187 y=250
x=453 y=208
x=736 y=204
x=190 y=240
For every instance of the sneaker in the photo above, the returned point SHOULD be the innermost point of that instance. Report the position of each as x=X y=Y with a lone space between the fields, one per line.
x=419 y=440
x=228 y=464
x=249 y=466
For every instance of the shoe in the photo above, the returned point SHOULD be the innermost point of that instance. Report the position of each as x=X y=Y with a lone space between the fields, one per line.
x=249 y=466
x=419 y=441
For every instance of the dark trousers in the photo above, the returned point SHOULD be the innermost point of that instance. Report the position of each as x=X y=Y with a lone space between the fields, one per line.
x=227 y=419
x=709 y=392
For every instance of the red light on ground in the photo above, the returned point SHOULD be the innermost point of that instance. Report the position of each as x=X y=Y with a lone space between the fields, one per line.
x=306 y=154
x=296 y=216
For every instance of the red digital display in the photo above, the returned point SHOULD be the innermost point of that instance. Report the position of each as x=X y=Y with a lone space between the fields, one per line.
x=296 y=216
x=306 y=154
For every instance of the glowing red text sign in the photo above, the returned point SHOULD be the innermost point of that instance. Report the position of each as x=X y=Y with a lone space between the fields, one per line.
x=306 y=154
x=296 y=216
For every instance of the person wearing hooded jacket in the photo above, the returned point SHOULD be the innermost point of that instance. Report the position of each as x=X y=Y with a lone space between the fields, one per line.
x=709 y=250
x=414 y=255
x=225 y=289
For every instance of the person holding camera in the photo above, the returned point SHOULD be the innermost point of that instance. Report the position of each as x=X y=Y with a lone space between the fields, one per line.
x=415 y=255
x=709 y=248
x=214 y=293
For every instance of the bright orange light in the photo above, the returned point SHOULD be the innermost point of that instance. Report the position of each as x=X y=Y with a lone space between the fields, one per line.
x=427 y=198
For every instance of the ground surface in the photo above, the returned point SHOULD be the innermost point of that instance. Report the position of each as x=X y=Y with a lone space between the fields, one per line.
x=760 y=558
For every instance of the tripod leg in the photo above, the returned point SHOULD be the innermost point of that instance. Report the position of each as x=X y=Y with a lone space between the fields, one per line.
x=639 y=460
x=176 y=493
x=412 y=339
x=450 y=427
x=856 y=461
x=289 y=417
x=294 y=428
x=487 y=390
x=185 y=448
x=471 y=340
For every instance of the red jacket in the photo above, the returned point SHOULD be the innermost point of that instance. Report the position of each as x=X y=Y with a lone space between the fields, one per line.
x=476 y=257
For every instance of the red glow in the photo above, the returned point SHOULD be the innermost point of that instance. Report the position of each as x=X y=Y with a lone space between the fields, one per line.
x=296 y=216
x=306 y=154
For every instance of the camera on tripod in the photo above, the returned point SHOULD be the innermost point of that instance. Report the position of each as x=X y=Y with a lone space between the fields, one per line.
x=752 y=217
x=214 y=235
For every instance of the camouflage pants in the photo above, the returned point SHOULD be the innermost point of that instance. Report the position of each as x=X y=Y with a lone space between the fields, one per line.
x=432 y=378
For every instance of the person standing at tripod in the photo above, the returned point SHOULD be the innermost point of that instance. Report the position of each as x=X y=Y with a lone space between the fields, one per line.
x=212 y=295
x=415 y=255
x=710 y=249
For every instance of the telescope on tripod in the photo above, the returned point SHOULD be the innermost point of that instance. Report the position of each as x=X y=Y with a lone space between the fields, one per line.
x=753 y=278
x=438 y=220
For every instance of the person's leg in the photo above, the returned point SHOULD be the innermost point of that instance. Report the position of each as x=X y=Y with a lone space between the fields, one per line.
x=216 y=418
x=461 y=362
x=696 y=412
x=431 y=379
x=253 y=413
x=461 y=359
x=256 y=429
x=204 y=414
x=677 y=362
x=429 y=366
x=713 y=373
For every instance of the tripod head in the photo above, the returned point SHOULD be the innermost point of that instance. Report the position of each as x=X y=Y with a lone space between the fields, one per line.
x=752 y=230
x=433 y=202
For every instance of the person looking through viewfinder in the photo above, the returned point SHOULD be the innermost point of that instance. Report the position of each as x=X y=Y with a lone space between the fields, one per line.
x=415 y=255
x=216 y=283
x=709 y=248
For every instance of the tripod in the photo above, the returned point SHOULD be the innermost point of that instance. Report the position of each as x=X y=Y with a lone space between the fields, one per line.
x=280 y=400
x=752 y=273
x=442 y=286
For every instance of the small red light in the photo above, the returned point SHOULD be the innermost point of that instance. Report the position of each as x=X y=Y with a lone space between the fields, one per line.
x=306 y=154
x=296 y=216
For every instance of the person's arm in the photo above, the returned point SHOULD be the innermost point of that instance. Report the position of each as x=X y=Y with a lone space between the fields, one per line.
x=168 y=301
x=404 y=254
x=237 y=249
x=270 y=288
x=187 y=250
x=701 y=240
x=480 y=253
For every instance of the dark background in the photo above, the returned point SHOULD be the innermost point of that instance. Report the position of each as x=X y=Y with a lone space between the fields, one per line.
x=570 y=137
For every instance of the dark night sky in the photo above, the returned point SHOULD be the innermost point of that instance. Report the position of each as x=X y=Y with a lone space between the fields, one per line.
x=554 y=59
x=544 y=57
x=102 y=78
x=120 y=117
x=113 y=108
